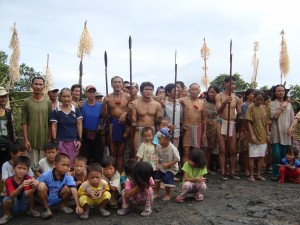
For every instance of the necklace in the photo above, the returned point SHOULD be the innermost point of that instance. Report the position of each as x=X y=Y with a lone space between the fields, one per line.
x=195 y=104
x=118 y=100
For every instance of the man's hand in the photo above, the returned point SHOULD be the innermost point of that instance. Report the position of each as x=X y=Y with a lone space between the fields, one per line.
x=27 y=145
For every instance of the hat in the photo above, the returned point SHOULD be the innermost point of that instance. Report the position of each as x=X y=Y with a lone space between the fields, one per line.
x=164 y=132
x=98 y=94
x=89 y=87
x=3 y=91
x=53 y=89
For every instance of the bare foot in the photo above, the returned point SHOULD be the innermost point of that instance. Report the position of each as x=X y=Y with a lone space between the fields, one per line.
x=156 y=196
x=167 y=198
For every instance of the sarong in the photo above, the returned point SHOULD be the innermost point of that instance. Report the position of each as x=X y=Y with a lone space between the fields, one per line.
x=118 y=130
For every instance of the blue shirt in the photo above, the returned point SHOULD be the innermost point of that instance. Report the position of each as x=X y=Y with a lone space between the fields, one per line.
x=286 y=162
x=91 y=116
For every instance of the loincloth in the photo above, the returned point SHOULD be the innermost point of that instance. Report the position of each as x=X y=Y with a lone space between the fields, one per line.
x=223 y=124
x=192 y=136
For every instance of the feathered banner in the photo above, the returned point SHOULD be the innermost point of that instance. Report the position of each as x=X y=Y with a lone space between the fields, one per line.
x=255 y=62
x=14 y=68
x=284 y=58
x=48 y=77
x=205 y=52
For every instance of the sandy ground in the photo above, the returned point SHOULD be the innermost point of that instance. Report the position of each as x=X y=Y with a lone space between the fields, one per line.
x=229 y=202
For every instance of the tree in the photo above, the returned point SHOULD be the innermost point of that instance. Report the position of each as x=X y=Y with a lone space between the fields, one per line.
x=3 y=69
x=241 y=85
x=294 y=93
x=264 y=88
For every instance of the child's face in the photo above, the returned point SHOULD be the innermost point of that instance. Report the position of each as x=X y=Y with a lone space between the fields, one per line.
x=259 y=99
x=148 y=136
x=163 y=123
x=192 y=164
x=94 y=177
x=290 y=157
x=79 y=166
x=50 y=154
x=21 y=170
x=18 y=153
x=109 y=171
x=63 y=166
x=163 y=141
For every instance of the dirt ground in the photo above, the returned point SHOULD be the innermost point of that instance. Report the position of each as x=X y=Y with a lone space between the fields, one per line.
x=229 y=202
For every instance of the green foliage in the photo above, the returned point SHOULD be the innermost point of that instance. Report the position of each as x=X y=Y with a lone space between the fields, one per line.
x=264 y=88
x=3 y=69
x=294 y=93
x=241 y=85
x=253 y=85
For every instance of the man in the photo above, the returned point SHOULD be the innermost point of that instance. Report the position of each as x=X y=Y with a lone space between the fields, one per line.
x=282 y=116
x=144 y=111
x=126 y=87
x=52 y=94
x=75 y=92
x=99 y=97
x=194 y=117
x=117 y=103
x=222 y=101
x=36 y=112
x=180 y=88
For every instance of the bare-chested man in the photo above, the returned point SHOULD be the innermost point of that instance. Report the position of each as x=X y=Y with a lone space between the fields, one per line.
x=118 y=109
x=194 y=119
x=222 y=101
x=144 y=111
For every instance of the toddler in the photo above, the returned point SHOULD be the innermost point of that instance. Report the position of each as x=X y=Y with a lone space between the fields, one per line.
x=289 y=167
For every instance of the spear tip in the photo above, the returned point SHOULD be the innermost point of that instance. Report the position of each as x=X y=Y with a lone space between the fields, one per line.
x=130 y=42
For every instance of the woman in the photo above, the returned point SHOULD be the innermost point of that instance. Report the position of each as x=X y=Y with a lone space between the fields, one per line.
x=66 y=125
x=211 y=127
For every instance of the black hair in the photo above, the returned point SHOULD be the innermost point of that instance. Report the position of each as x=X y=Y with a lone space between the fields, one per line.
x=16 y=146
x=65 y=89
x=75 y=86
x=292 y=150
x=274 y=91
x=61 y=156
x=129 y=167
x=94 y=167
x=37 y=78
x=259 y=92
x=267 y=97
x=198 y=158
x=24 y=160
x=181 y=84
x=126 y=82
x=210 y=87
x=112 y=79
x=160 y=87
x=146 y=129
x=145 y=84
x=229 y=78
x=158 y=120
x=50 y=145
x=80 y=158
x=108 y=161
x=194 y=84
x=142 y=173
x=169 y=88
x=248 y=92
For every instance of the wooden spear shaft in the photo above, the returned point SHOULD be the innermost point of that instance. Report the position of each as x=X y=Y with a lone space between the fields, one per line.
x=174 y=103
x=230 y=77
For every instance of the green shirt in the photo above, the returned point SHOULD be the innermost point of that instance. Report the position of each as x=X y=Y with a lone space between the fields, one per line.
x=36 y=114
x=193 y=172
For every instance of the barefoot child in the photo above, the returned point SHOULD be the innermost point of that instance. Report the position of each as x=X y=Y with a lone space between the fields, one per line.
x=79 y=172
x=94 y=192
x=56 y=187
x=167 y=165
x=138 y=191
x=47 y=163
x=289 y=168
x=257 y=121
x=112 y=176
x=19 y=191
x=193 y=178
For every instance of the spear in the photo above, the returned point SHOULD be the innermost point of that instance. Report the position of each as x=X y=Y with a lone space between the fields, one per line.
x=284 y=58
x=174 y=103
x=131 y=97
x=85 y=48
x=230 y=77
x=205 y=52
x=107 y=106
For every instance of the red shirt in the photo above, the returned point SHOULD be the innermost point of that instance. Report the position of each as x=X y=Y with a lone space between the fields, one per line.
x=11 y=185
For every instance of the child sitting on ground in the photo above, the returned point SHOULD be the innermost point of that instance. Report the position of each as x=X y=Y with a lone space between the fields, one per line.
x=94 y=192
x=56 y=187
x=112 y=176
x=129 y=167
x=289 y=167
x=138 y=191
x=19 y=191
x=79 y=172
x=47 y=163
x=193 y=178
x=167 y=165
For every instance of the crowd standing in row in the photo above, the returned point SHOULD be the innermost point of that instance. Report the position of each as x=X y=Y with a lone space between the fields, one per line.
x=125 y=145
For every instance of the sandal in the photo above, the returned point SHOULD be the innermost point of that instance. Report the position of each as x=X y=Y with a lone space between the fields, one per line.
x=179 y=199
x=84 y=215
x=34 y=213
x=5 y=219
x=122 y=212
x=146 y=213
x=261 y=178
x=104 y=212
x=251 y=179
x=66 y=210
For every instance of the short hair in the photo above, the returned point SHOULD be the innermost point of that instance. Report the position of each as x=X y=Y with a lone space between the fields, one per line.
x=146 y=129
x=168 y=88
x=197 y=156
x=292 y=150
x=274 y=91
x=158 y=120
x=24 y=160
x=80 y=158
x=37 y=78
x=65 y=89
x=112 y=79
x=159 y=88
x=94 y=167
x=61 y=156
x=248 y=92
x=145 y=84
x=129 y=167
x=259 y=92
x=210 y=87
x=50 y=145
x=194 y=84
x=229 y=78
x=126 y=82
x=108 y=161
x=181 y=84
x=75 y=86
x=16 y=146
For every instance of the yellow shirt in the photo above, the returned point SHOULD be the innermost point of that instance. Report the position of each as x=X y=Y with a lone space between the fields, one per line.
x=86 y=187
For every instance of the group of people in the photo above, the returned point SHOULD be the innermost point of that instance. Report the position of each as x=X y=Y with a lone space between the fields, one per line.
x=121 y=146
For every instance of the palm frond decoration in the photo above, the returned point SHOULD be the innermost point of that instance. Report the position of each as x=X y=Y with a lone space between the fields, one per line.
x=14 y=68
x=255 y=62
x=284 y=61
x=48 y=77
x=85 y=43
x=205 y=52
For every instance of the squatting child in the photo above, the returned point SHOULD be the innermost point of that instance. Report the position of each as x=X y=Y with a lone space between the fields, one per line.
x=79 y=172
x=289 y=167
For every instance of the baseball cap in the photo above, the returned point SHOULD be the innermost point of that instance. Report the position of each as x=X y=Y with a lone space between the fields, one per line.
x=89 y=87
x=3 y=91
x=52 y=89
x=164 y=132
x=98 y=94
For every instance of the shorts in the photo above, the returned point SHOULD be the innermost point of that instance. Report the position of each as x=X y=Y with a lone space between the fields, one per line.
x=54 y=198
x=20 y=205
x=84 y=199
x=257 y=150
x=167 y=178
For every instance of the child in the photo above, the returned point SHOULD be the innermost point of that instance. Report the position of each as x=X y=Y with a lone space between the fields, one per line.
x=19 y=191
x=289 y=168
x=47 y=162
x=94 y=191
x=294 y=131
x=16 y=149
x=79 y=173
x=146 y=151
x=112 y=176
x=160 y=122
x=138 y=191
x=193 y=181
x=129 y=167
x=56 y=187
x=257 y=123
x=167 y=165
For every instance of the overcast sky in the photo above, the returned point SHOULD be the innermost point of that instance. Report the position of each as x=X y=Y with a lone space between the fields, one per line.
x=158 y=28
